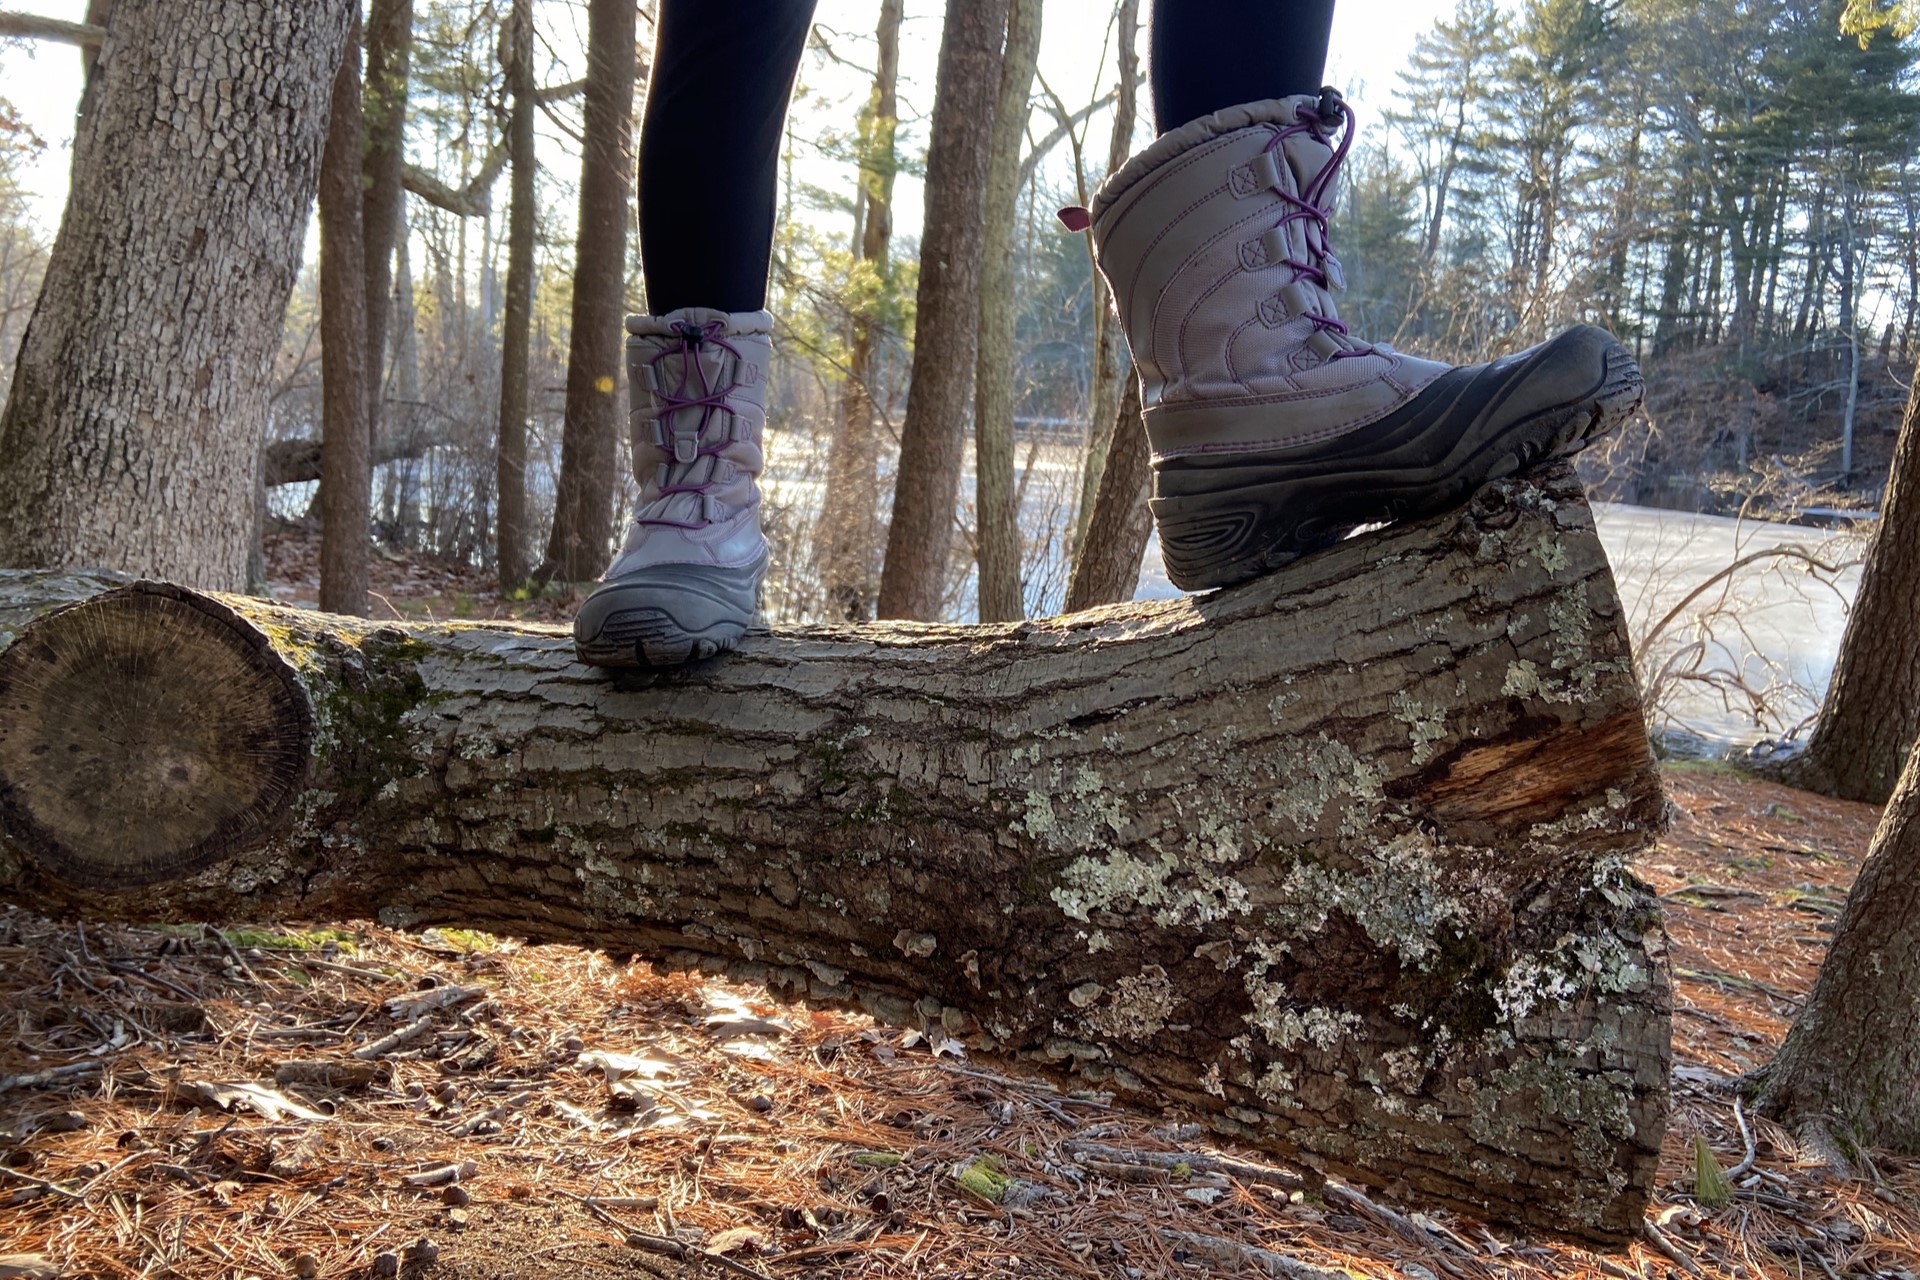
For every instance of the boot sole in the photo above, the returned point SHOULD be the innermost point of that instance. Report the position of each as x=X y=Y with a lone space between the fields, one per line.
x=1276 y=510
x=667 y=619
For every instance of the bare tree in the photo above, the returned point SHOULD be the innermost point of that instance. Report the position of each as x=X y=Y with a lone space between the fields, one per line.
x=132 y=437
x=389 y=51
x=1848 y=1075
x=849 y=529
x=1871 y=716
x=346 y=470
x=1107 y=570
x=583 y=498
x=933 y=436
x=997 y=539
x=1109 y=344
x=510 y=516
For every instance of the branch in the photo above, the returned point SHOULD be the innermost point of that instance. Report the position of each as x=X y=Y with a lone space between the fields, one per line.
x=1067 y=125
x=475 y=200
x=31 y=26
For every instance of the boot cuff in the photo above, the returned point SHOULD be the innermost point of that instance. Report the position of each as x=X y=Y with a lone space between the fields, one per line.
x=742 y=323
x=1276 y=111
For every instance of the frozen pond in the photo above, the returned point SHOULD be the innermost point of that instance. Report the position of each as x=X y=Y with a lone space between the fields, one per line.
x=1745 y=660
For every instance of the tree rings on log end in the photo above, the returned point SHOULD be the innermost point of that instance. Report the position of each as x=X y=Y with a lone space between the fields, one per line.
x=145 y=734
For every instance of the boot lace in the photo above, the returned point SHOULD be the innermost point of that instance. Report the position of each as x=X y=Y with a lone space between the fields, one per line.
x=1309 y=206
x=686 y=448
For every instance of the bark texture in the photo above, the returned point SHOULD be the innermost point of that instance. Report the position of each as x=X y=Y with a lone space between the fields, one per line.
x=1107 y=570
x=913 y=581
x=1336 y=859
x=1871 y=716
x=511 y=535
x=346 y=445
x=133 y=432
x=997 y=525
x=1848 y=1075
x=578 y=545
x=847 y=538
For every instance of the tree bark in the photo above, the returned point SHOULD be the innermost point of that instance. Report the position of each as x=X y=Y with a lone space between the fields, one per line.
x=848 y=535
x=583 y=500
x=1848 y=1075
x=511 y=544
x=913 y=580
x=389 y=45
x=997 y=528
x=1336 y=859
x=132 y=435
x=1107 y=570
x=346 y=448
x=1871 y=717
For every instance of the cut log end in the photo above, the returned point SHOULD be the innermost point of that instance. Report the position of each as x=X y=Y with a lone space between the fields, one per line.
x=166 y=700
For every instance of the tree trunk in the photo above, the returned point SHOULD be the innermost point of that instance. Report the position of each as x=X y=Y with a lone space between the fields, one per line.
x=1871 y=716
x=1336 y=859
x=997 y=535
x=1848 y=1075
x=913 y=581
x=346 y=448
x=1107 y=571
x=583 y=499
x=389 y=44
x=1110 y=357
x=848 y=533
x=132 y=436
x=511 y=537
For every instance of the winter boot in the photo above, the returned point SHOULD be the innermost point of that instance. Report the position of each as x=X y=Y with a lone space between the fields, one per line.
x=1274 y=431
x=687 y=580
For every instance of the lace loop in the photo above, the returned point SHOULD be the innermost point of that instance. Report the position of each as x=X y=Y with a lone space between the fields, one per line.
x=687 y=443
x=1309 y=208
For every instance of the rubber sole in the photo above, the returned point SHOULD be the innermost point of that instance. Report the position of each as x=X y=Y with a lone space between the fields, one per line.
x=1225 y=519
x=666 y=616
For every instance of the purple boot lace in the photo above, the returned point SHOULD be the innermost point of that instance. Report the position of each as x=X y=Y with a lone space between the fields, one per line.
x=1309 y=209
x=686 y=448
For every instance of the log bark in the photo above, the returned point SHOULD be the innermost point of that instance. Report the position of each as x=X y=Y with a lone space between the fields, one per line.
x=1336 y=859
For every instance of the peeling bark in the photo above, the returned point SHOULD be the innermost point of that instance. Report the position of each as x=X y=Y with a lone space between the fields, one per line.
x=1336 y=859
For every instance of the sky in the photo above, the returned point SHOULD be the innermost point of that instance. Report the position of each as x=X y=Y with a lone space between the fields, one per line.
x=1371 y=40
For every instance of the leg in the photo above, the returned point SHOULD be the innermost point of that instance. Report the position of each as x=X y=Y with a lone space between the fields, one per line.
x=710 y=147
x=686 y=582
x=1210 y=54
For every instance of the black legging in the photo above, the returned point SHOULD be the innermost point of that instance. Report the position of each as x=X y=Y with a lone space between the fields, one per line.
x=723 y=72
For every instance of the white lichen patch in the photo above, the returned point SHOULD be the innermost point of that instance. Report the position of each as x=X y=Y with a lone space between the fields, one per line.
x=1395 y=895
x=1318 y=771
x=1424 y=727
x=1551 y=555
x=1138 y=1008
x=1284 y=1026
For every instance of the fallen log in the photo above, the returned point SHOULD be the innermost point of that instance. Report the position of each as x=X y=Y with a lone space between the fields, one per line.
x=1336 y=859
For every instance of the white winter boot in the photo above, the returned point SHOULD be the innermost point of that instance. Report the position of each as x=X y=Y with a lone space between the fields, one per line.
x=686 y=583
x=1274 y=430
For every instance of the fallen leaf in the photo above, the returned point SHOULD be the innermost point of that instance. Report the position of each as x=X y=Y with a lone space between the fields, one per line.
x=270 y=1104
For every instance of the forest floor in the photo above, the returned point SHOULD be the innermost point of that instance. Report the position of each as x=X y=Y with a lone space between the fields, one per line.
x=340 y=1100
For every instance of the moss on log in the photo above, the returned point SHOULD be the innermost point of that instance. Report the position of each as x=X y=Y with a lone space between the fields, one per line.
x=1337 y=859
